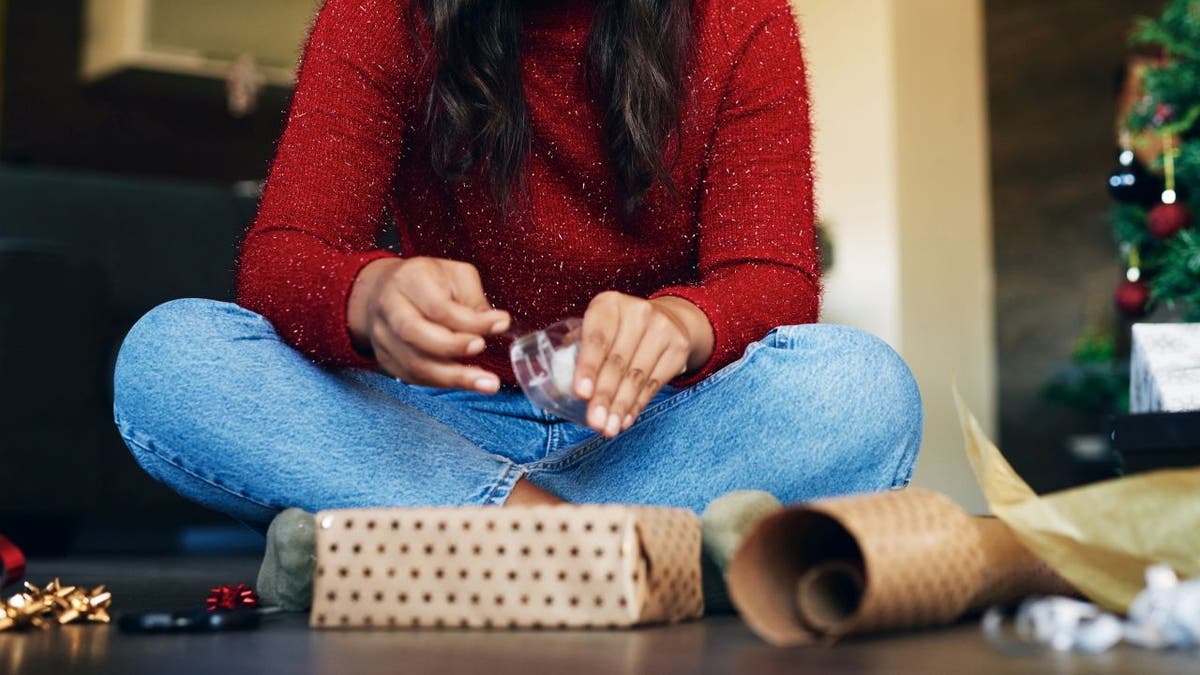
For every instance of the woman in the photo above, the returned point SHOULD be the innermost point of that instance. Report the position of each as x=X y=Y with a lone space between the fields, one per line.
x=644 y=164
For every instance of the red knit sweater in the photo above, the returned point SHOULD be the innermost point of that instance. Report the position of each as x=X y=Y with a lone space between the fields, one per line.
x=738 y=242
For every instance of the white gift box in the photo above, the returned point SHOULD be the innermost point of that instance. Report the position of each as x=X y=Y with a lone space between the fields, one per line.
x=1165 y=368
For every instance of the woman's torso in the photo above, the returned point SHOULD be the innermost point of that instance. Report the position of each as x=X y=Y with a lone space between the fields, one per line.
x=566 y=240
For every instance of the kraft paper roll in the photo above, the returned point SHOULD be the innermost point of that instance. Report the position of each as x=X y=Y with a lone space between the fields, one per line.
x=870 y=563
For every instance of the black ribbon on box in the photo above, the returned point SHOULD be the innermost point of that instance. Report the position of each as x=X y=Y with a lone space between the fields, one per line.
x=1152 y=441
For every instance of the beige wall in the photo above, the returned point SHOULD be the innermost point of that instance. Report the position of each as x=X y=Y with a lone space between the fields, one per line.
x=898 y=90
x=853 y=107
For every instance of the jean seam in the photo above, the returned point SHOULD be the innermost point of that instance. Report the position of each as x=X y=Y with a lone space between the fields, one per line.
x=552 y=439
x=898 y=481
x=908 y=459
x=127 y=434
x=589 y=447
x=509 y=467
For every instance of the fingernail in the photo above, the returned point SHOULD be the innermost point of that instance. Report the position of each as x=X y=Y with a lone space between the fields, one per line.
x=584 y=389
x=487 y=385
x=596 y=419
x=614 y=425
x=628 y=422
x=475 y=346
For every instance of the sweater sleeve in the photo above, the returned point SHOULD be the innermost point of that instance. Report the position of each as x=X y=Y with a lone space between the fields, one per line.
x=757 y=262
x=324 y=200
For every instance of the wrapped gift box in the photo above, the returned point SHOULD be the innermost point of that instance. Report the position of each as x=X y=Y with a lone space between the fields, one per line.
x=1165 y=368
x=524 y=567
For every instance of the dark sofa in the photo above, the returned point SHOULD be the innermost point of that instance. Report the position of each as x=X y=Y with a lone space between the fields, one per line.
x=81 y=258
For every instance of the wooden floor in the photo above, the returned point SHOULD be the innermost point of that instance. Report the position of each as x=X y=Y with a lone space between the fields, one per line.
x=284 y=644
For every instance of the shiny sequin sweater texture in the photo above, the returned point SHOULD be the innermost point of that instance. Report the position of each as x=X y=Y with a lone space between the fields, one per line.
x=738 y=240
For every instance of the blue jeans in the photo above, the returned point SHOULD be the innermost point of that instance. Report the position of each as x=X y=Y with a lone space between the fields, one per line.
x=213 y=403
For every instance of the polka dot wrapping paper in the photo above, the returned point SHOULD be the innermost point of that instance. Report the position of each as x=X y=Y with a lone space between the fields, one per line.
x=573 y=566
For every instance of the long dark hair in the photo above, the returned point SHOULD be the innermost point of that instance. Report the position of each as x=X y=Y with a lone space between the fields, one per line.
x=477 y=110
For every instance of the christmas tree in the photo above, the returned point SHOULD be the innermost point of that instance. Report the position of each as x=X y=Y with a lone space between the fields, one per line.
x=1153 y=215
x=1156 y=189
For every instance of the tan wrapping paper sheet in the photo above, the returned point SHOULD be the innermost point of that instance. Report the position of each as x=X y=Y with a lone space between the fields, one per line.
x=1100 y=537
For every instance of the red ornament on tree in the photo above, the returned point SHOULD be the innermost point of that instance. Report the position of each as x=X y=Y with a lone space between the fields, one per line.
x=231 y=597
x=1165 y=220
x=1163 y=114
x=1132 y=298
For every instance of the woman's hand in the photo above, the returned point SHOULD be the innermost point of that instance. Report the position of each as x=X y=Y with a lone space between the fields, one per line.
x=420 y=317
x=630 y=348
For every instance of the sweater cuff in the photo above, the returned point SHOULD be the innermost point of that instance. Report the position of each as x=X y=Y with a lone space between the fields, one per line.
x=723 y=351
x=340 y=344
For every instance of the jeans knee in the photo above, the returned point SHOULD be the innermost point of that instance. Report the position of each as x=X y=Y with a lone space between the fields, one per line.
x=882 y=372
x=895 y=397
x=854 y=356
x=155 y=337
x=166 y=341
x=862 y=381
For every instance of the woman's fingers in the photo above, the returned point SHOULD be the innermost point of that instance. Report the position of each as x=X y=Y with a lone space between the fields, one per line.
x=631 y=328
x=434 y=295
x=417 y=351
x=670 y=365
x=466 y=287
x=438 y=306
x=404 y=363
x=448 y=374
x=599 y=329
x=650 y=386
x=671 y=362
x=409 y=325
x=643 y=363
x=630 y=349
x=402 y=321
x=422 y=316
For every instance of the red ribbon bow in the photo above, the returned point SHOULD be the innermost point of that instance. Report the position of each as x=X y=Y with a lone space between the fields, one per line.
x=12 y=562
x=225 y=596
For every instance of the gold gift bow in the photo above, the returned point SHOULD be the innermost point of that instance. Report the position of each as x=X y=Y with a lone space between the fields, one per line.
x=39 y=607
x=1100 y=537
